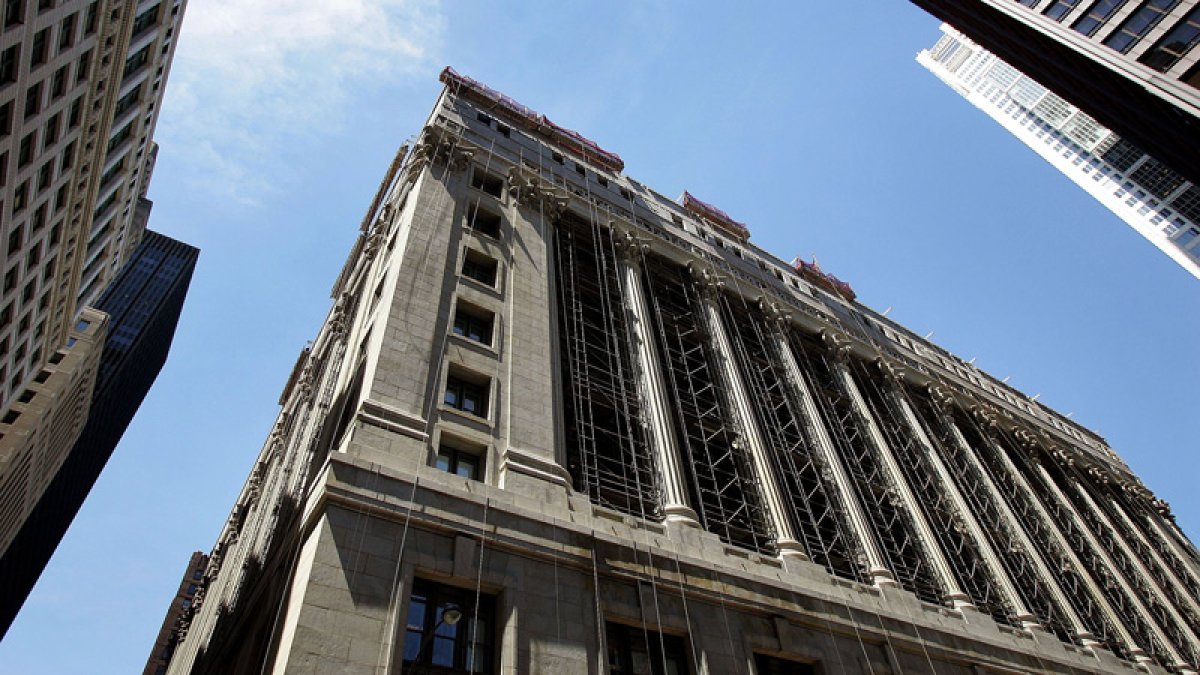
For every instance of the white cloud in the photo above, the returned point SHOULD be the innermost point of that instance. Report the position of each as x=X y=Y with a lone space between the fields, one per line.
x=251 y=76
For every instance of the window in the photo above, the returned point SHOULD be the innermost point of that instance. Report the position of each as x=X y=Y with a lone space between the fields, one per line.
x=40 y=40
x=6 y=119
x=83 y=66
x=504 y=129
x=473 y=323
x=1177 y=42
x=33 y=100
x=14 y=12
x=484 y=221
x=66 y=33
x=484 y=117
x=459 y=461
x=1157 y=177
x=1141 y=22
x=145 y=21
x=487 y=182
x=25 y=152
x=446 y=631
x=639 y=651
x=1060 y=8
x=8 y=64
x=479 y=267
x=467 y=394
x=58 y=85
x=139 y=59
x=1096 y=16
x=770 y=665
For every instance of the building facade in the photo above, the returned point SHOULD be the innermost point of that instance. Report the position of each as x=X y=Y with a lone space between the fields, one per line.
x=1152 y=198
x=142 y=307
x=80 y=86
x=168 y=634
x=1130 y=64
x=558 y=423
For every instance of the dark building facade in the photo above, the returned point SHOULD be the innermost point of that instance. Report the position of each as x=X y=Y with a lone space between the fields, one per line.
x=556 y=422
x=143 y=303
x=178 y=613
x=1130 y=64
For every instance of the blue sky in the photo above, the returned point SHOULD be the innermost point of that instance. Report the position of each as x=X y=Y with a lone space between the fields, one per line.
x=808 y=121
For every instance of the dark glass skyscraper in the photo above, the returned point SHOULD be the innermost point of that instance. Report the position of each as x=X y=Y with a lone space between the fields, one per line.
x=143 y=304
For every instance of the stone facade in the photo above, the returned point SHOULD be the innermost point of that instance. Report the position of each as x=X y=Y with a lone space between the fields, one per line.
x=557 y=423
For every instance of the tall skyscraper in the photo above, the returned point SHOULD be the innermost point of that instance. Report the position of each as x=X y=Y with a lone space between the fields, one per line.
x=1130 y=64
x=556 y=422
x=1151 y=197
x=80 y=87
x=142 y=305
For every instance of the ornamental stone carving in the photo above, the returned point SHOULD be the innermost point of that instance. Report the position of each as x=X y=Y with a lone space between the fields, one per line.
x=628 y=245
x=888 y=371
x=527 y=188
x=837 y=344
x=706 y=279
x=941 y=399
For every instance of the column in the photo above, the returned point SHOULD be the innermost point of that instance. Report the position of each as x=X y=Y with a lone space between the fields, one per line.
x=1156 y=523
x=1085 y=636
x=990 y=558
x=1101 y=600
x=1130 y=592
x=859 y=523
x=1192 y=604
x=895 y=476
x=660 y=430
x=775 y=505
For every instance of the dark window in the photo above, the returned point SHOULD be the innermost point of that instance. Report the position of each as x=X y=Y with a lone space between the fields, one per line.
x=58 y=85
x=484 y=117
x=6 y=118
x=89 y=20
x=579 y=169
x=83 y=66
x=1122 y=155
x=447 y=632
x=8 y=64
x=145 y=21
x=50 y=137
x=489 y=183
x=1188 y=203
x=66 y=33
x=33 y=100
x=504 y=130
x=1175 y=44
x=639 y=651
x=480 y=268
x=1141 y=22
x=770 y=665
x=1158 y=178
x=40 y=44
x=1060 y=8
x=139 y=59
x=469 y=397
x=601 y=180
x=1096 y=16
x=14 y=12
x=460 y=462
x=485 y=222
x=473 y=323
x=25 y=152
x=556 y=156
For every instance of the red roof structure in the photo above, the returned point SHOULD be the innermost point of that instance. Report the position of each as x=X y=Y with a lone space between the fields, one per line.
x=715 y=216
x=811 y=271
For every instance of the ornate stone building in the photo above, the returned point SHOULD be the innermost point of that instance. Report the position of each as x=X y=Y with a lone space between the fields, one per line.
x=558 y=423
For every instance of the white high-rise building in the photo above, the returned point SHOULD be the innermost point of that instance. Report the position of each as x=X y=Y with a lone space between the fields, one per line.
x=1152 y=198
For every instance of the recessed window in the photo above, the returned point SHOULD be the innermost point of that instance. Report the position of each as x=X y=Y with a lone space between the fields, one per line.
x=473 y=323
x=484 y=221
x=460 y=459
x=556 y=156
x=504 y=129
x=484 y=117
x=770 y=665
x=487 y=182
x=449 y=630
x=639 y=651
x=602 y=180
x=479 y=267
x=579 y=169
x=467 y=393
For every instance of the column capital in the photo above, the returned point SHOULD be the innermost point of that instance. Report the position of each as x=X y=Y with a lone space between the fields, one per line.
x=437 y=146
x=837 y=344
x=707 y=279
x=940 y=398
x=984 y=415
x=529 y=189
x=888 y=370
x=625 y=240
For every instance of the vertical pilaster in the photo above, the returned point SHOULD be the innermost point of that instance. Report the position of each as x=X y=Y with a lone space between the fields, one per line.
x=1180 y=584
x=895 y=475
x=991 y=558
x=877 y=569
x=1166 y=532
x=1118 y=625
x=1085 y=636
x=775 y=505
x=1098 y=549
x=660 y=430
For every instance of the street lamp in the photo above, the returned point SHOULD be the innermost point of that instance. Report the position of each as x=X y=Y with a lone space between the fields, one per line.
x=450 y=616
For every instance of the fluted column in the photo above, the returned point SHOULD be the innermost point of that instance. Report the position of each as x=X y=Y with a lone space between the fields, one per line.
x=1138 y=652
x=1130 y=592
x=991 y=559
x=660 y=430
x=1172 y=575
x=1164 y=533
x=855 y=515
x=1085 y=636
x=895 y=475
x=775 y=505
